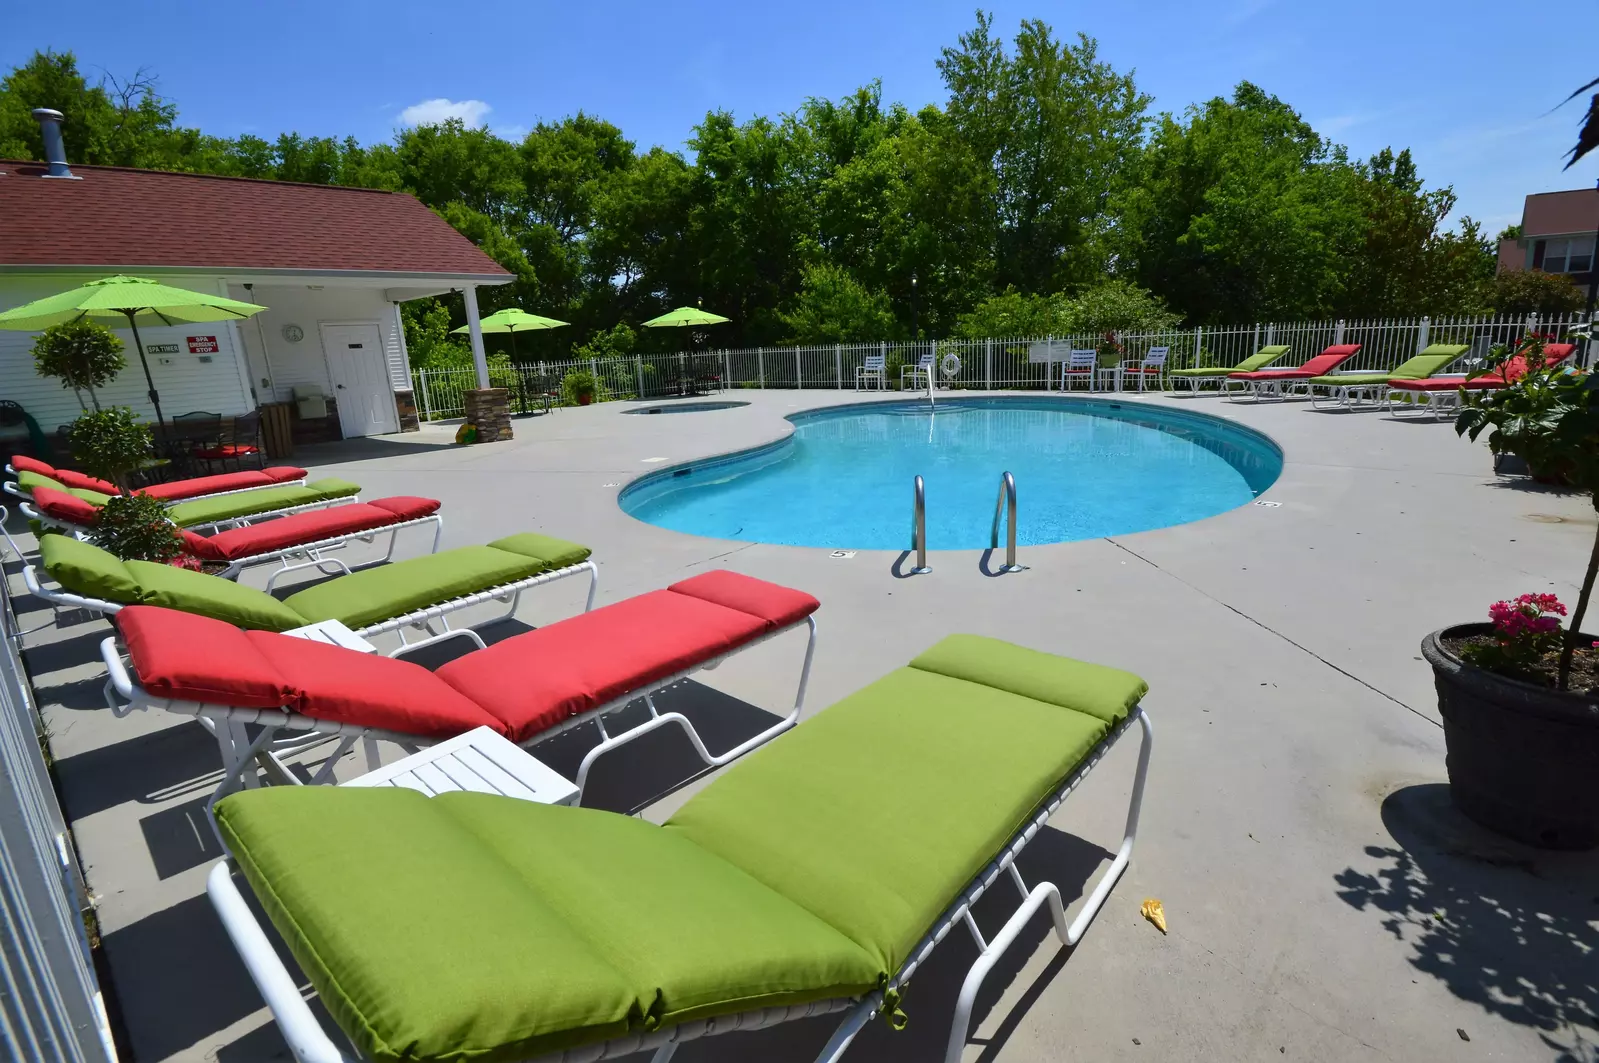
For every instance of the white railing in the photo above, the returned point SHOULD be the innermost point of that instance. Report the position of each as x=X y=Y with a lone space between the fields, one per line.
x=1001 y=364
x=50 y=1004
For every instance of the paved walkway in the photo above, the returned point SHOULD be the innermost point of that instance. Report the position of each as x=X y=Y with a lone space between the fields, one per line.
x=1325 y=902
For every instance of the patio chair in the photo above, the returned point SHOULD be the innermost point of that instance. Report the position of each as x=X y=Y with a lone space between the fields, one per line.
x=1442 y=394
x=241 y=441
x=1216 y=374
x=185 y=435
x=18 y=429
x=172 y=491
x=1080 y=365
x=923 y=367
x=528 y=688
x=1348 y=390
x=874 y=368
x=1269 y=383
x=298 y=541
x=229 y=509
x=480 y=926
x=1150 y=367
x=420 y=592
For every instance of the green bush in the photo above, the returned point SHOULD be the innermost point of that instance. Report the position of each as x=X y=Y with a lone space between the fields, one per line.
x=110 y=443
x=136 y=528
x=81 y=354
x=1530 y=291
x=576 y=384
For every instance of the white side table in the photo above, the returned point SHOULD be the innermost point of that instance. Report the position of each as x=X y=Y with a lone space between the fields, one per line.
x=334 y=633
x=1109 y=378
x=481 y=761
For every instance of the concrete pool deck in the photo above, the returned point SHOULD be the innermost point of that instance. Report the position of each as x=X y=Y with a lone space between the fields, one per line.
x=1325 y=902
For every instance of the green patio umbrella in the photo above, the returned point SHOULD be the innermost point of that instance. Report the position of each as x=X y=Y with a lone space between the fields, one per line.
x=512 y=320
x=138 y=300
x=684 y=317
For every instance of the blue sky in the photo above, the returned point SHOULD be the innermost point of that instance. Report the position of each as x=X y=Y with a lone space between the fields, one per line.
x=1467 y=84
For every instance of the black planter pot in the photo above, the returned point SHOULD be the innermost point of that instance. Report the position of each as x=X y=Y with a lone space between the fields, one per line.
x=1523 y=760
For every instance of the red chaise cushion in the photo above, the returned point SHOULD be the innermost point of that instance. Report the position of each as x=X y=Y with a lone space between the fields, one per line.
x=79 y=481
x=300 y=528
x=777 y=605
x=534 y=681
x=407 y=507
x=195 y=658
x=228 y=481
x=1321 y=365
x=62 y=506
x=23 y=463
x=368 y=690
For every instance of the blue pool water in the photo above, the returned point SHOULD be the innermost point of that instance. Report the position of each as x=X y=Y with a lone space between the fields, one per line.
x=1083 y=469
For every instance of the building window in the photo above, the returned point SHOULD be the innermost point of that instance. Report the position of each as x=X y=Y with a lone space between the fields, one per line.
x=1568 y=256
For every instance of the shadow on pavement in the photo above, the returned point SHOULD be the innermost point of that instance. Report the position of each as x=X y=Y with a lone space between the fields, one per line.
x=1511 y=929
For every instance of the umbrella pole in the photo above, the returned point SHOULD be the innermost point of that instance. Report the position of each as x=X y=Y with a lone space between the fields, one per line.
x=155 y=399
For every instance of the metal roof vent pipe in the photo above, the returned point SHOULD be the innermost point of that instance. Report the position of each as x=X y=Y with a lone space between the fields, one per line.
x=55 y=150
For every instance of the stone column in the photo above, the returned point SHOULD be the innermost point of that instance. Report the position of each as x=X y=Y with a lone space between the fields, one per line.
x=490 y=410
x=405 y=406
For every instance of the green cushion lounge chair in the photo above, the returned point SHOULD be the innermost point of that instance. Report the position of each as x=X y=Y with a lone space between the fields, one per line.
x=1347 y=390
x=215 y=512
x=814 y=876
x=1214 y=374
x=393 y=597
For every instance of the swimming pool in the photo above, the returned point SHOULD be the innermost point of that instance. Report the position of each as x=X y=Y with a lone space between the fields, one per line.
x=1084 y=469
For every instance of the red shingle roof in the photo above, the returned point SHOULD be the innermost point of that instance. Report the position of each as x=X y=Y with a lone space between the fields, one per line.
x=125 y=218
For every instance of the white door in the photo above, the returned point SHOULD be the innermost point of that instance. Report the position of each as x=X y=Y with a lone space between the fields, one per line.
x=360 y=376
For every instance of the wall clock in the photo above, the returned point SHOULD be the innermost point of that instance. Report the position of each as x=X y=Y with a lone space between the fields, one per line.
x=293 y=333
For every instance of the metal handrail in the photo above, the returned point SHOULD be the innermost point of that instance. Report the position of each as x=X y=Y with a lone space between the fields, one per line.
x=1006 y=503
x=919 y=529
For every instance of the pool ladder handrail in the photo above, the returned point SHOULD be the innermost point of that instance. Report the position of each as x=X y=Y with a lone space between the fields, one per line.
x=919 y=529
x=1006 y=504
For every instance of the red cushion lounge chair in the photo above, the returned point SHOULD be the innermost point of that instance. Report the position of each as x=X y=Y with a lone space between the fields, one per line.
x=176 y=491
x=527 y=688
x=1442 y=393
x=298 y=541
x=1268 y=383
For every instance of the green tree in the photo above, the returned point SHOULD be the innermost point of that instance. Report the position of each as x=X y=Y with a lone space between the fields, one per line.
x=84 y=355
x=110 y=443
x=1010 y=313
x=1532 y=291
x=428 y=341
x=834 y=307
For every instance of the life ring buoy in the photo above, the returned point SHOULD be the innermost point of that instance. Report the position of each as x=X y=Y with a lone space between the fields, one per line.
x=950 y=364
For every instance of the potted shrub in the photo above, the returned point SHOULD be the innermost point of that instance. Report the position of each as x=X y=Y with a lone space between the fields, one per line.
x=136 y=528
x=111 y=444
x=578 y=386
x=82 y=354
x=1518 y=695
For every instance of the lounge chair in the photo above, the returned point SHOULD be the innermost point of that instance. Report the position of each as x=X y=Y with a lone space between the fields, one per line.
x=875 y=369
x=1080 y=364
x=1442 y=394
x=814 y=877
x=923 y=367
x=175 y=491
x=1269 y=383
x=215 y=512
x=418 y=592
x=1148 y=368
x=1216 y=374
x=298 y=541
x=1347 y=390
x=527 y=688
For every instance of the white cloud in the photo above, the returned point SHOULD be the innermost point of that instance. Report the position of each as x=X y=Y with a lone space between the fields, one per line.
x=437 y=112
x=514 y=133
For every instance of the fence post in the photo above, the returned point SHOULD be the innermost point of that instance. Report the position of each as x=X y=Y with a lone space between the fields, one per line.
x=1338 y=332
x=760 y=367
x=838 y=364
x=1421 y=333
x=1271 y=334
x=594 y=374
x=1257 y=339
x=1199 y=345
x=799 y=374
x=427 y=409
x=988 y=364
x=638 y=362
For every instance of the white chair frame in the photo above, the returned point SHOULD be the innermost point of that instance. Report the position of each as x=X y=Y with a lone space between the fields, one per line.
x=1081 y=364
x=1154 y=358
x=310 y=1043
x=874 y=368
x=923 y=367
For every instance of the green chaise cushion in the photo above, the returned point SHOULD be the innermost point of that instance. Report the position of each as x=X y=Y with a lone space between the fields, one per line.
x=213 y=596
x=695 y=936
x=422 y=943
x=364 y=598
x=87 y=570
x=1422 y=366
x=1259 y=360
x=556 y=553
x=27 y=479
x=877 y=812
x=1108 y=694
x=246 y=503
x=94 y=498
